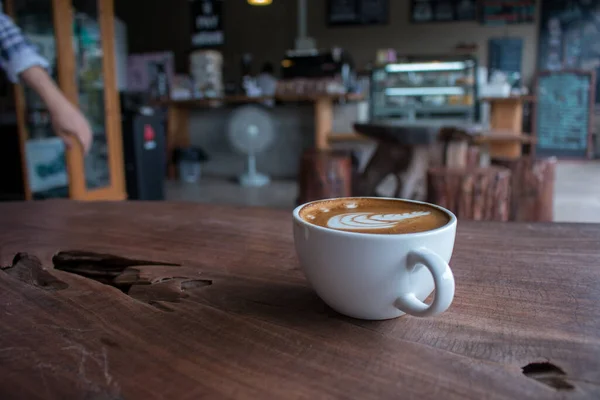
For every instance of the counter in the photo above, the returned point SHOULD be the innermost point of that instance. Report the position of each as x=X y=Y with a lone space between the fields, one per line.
x=319 y=108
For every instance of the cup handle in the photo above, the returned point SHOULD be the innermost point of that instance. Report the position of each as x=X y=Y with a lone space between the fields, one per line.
x=444 y=285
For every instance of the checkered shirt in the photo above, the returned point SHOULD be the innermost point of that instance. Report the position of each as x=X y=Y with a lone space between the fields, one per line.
x=16 y=52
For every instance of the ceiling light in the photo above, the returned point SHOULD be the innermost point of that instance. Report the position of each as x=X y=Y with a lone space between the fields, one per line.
x=259 y=2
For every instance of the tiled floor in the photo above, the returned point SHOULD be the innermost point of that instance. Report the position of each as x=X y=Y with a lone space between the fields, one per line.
x=278 y=194
x=577 y=192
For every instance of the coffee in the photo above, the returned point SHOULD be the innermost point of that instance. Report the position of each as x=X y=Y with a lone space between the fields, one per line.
x=372 y=215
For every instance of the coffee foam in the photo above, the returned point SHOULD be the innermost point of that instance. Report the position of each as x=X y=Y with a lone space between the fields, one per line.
x=382 y=216
x=366 y=220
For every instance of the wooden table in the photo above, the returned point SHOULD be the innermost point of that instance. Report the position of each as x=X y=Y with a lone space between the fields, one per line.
x=403 y=151
x=237 y=319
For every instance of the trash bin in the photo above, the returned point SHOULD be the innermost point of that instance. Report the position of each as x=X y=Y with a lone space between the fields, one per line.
x=189 y=163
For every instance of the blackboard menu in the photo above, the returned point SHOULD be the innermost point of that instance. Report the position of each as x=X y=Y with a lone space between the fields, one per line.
x=422 y=11
x=505 y=55
x=207 y=23
x=564 y=113
x=357 y=12
x=570 y=36
x=504 y=12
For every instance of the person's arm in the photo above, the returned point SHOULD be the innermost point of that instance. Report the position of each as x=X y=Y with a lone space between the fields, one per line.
x=67 y=120
x=20 y=60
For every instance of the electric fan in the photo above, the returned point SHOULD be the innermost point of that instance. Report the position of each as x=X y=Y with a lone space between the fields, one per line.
x=251 y=131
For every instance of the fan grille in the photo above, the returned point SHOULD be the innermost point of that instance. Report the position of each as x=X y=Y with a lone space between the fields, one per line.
x=250 y=129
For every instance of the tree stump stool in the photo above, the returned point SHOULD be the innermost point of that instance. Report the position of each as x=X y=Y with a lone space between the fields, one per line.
x=532 y=188
x=324 y=174
x=480 y=194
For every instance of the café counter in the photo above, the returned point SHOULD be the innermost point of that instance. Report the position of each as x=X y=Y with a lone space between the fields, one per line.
x=179 y=114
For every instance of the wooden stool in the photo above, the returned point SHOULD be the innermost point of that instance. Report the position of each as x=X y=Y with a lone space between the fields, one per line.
x=324 y=174
x=480 y=194
x=532 y=188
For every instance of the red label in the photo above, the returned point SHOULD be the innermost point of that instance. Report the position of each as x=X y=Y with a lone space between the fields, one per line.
x=149 y=134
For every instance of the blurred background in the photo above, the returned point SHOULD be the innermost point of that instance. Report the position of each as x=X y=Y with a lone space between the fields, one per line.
x=486 y=107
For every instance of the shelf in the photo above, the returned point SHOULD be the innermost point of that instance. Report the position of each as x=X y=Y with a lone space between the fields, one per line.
x=348 y=137
x=458 y=85
x=418 y=91
x=427 y=109
x=527 y=99
x=240 y=99
x=503 y=137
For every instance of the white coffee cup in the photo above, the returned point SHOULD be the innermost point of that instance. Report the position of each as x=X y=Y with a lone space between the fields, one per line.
x=378 y=276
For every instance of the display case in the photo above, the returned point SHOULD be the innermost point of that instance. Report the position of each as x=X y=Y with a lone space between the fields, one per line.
x=77 y=39
x=426 y=88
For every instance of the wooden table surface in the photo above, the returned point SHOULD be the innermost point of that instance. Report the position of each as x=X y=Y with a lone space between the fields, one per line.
x=237 y=320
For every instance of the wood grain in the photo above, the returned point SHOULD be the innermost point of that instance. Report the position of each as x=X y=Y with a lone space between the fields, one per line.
x=480 y=194
x=323 y=122
x=112 y=108
x=527 y=296
x=532 y=188
x=324 y=174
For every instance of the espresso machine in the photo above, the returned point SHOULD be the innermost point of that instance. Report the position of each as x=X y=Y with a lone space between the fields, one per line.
x=330 y=71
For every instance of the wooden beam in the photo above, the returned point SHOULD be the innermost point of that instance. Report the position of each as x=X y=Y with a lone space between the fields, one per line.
x=348 y=137
x=323 y=122
x=112 y=106
x=67 y=80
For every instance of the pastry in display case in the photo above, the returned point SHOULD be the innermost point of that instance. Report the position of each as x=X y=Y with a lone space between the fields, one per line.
x=425 y=88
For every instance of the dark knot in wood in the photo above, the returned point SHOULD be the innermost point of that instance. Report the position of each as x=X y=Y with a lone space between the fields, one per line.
x=548 y=374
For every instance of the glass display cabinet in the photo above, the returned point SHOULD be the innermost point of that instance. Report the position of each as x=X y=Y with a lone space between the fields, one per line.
x=77 y=38
x=425 y=88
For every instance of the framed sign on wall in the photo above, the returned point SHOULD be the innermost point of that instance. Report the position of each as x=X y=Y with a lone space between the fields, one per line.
x=564 y=113
x=423 y=11
x=570 y=36
x=207 y=23
x=505 y=55
x=507 y=12
x=357 y=12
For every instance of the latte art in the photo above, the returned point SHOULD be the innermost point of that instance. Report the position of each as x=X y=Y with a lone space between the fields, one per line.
x=373 y=215
x=370 y=220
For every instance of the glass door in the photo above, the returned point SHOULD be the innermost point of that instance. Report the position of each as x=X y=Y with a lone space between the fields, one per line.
x=44 y=152
x=77 y=38
x=90 y=83
x=95 y=82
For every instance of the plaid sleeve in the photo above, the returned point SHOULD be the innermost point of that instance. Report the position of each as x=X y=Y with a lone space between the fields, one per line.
x=16 y=52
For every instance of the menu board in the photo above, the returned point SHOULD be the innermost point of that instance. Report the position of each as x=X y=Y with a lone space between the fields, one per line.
x=423 y=11
x=357 y=12
x=564 y=113
x=570 y=36
x=504 y=12
x=207 y=23
x=505 y=55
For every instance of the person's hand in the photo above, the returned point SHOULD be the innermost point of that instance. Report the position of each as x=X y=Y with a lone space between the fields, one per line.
x=70 y=124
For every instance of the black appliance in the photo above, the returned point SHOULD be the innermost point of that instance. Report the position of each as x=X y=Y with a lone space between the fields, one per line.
x=317 y=64
x=144 y=147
